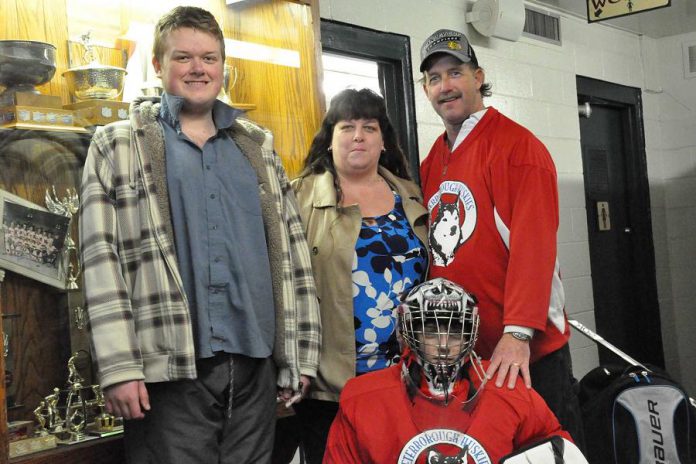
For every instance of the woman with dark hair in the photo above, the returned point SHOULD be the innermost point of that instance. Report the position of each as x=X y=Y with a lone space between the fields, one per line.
x=366 y=229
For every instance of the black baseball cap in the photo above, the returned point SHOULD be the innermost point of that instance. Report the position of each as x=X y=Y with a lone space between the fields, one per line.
x=448 y=41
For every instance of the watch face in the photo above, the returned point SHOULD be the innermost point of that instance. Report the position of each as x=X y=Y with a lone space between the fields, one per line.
x=521 y=336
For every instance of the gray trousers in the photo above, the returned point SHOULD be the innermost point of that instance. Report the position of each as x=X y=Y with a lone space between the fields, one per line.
x=194 y=421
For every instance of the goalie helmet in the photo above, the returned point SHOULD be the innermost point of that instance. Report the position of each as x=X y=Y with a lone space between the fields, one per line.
x=439 y=322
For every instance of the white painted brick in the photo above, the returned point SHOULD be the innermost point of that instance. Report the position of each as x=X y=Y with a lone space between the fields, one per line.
x=566 y=122
x=673 y=108
x=678 y=134
x=575 y=258
x=634 y=74
x=588 y=62
x=687 y=374
x=528 y=51
x=533 y=115
x=578 y=341
x=360 y=12
x=503 y=104
x=657 y=190
x=547 y=84
x=492 y=47
x=570 y=88
x=566 y=154
x=667 y=322
x=424 y=109
x=685 y=317
x=652 y=131
x=651 y=105
x=511 y=78
x=571 y=29
x=682 y=255
x=616 y=67
x=565 y=226
x=571 y=190
x=579 y=218
x=680 y=193
x=681 y=222
x=325 y=9
x=679 y=163
x=427 y=133
x=427 y=16
x=543 y=54
x=579 y=298
x=584 y=360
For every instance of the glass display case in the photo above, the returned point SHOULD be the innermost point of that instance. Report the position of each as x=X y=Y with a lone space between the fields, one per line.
x=45 y=343
x=44 y=322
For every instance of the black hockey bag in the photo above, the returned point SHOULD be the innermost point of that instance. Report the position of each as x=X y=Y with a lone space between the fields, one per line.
x=636 y=414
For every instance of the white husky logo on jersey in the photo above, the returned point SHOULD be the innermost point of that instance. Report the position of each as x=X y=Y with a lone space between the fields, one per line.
x=452 y=220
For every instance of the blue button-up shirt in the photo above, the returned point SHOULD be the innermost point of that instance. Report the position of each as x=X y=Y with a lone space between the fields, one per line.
x=219 y=237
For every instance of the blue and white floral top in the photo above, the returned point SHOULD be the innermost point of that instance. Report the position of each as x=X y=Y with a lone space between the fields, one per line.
x=389 y=259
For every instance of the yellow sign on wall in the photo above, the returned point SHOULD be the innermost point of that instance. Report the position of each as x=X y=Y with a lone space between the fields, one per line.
x=599 y=10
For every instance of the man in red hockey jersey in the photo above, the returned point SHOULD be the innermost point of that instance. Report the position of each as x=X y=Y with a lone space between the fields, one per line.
x=491 y=189
x=435 y=406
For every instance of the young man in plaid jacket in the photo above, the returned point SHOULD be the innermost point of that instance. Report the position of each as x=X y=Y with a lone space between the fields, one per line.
x=198 y=285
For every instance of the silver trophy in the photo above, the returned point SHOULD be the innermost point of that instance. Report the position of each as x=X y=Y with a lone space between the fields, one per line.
x=67 y=206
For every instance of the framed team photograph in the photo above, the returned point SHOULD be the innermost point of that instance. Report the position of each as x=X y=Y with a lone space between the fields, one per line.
x=32 y=240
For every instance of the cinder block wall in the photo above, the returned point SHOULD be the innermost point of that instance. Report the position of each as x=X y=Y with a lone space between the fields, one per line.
x=534 y=83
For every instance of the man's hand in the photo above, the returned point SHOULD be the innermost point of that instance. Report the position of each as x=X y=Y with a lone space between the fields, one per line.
x=127 y=399
x=290 y=396
x=510 y=358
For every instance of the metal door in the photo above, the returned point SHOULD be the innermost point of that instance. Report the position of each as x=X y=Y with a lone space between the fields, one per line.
x=618 y=221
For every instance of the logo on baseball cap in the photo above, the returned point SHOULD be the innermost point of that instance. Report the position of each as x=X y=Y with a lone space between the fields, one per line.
x=447 y=41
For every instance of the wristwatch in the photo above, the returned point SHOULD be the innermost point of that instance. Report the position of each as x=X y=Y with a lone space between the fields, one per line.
x=521 y=336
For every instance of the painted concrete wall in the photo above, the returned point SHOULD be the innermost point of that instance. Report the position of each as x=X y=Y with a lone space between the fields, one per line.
x=671 y=115
x=534 y=84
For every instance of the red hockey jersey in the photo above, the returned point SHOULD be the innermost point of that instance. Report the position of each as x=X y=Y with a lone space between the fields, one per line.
x=493 y=206
x=378 y=423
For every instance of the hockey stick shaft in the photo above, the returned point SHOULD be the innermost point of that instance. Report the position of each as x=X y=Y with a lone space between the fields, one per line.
x=597 y=338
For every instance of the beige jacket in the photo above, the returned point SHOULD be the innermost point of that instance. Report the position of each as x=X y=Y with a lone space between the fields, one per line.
x=331 y=238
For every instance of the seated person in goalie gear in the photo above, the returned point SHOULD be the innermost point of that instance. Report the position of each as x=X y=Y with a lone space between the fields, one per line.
x=435 y=405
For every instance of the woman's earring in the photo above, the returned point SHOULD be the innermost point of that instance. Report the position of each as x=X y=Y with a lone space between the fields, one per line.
x=330 y=149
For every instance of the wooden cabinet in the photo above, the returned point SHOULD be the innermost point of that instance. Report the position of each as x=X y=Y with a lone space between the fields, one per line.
x=40 y=319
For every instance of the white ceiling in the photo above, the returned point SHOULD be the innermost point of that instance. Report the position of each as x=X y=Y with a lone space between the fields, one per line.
x=678 y=18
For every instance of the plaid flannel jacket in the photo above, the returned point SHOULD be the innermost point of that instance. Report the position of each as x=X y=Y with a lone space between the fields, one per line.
x=139 y=319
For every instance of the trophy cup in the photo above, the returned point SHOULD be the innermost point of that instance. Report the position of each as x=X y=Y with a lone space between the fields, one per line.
x=24 y=64
x=96 y=89
x=230 y=73
x=76 y=413
x=66 y=206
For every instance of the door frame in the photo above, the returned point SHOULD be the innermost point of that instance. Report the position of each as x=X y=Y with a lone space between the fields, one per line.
x=629 y=101
x=392 y=52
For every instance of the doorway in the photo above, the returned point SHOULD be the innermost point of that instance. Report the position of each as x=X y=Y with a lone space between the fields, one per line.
x=619 y=226
x=391 y=53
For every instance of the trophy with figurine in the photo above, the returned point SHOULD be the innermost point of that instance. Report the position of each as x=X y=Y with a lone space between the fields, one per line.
x=76 y=413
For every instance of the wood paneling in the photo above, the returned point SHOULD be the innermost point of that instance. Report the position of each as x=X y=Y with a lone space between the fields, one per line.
x=104 y=451
x=286 y=98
